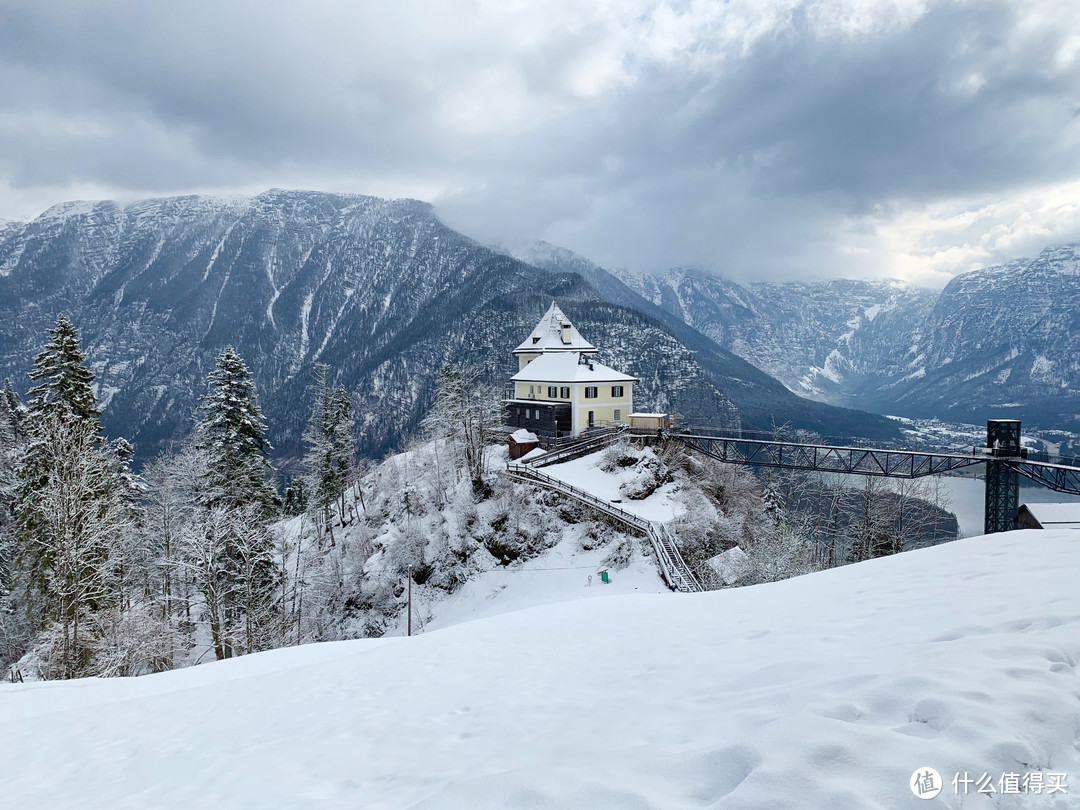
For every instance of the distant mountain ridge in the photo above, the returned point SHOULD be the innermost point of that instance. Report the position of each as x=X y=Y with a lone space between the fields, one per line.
x=381 y=290
x=763 y=401
x=997 y=342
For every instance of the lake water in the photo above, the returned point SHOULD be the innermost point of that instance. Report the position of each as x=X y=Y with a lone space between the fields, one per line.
x=967 y=496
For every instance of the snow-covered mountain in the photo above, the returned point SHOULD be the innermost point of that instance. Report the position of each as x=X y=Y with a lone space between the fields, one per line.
x=762 y=399
x=380 y=290
x=996 y=342
x=816 y=337
x=1004 y=341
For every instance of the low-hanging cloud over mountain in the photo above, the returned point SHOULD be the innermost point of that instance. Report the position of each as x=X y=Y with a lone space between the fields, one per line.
x=759 y=139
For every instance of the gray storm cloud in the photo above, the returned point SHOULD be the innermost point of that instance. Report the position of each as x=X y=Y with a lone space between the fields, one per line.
x=755 y=139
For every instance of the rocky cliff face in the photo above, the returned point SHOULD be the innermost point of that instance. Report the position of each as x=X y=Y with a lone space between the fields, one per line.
x=999 y=342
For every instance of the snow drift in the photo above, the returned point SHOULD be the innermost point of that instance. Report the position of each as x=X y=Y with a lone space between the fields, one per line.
x=825 y=691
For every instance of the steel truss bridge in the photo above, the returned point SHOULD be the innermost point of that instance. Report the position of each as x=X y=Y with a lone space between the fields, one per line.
x=1003 y=456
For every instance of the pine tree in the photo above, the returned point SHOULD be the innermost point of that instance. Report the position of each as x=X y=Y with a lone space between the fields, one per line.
x=343 y=441
x=11 y=405
x=64 y=383
x=66 y=509
x=64 y=393
x=237 y=491
x=330 y=440
x=233 y=434
x=8 y=440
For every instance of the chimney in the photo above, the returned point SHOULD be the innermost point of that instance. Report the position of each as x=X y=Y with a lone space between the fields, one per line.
x=565 y=333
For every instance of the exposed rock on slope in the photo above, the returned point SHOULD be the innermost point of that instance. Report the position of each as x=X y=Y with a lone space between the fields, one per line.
x=997 y=342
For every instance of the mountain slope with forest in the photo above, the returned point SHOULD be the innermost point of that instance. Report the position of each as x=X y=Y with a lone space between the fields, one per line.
x=382 y=291
x=763 y=401
x=996 y=342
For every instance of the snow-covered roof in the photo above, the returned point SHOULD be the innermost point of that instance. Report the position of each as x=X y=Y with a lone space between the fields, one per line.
x=565 y=367
x=554 y=333
x=536 y=452
x=523 y=436
x=648 y=415
x=1054 y=514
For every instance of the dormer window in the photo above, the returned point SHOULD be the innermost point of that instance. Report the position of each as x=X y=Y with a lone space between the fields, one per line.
x=536 y=340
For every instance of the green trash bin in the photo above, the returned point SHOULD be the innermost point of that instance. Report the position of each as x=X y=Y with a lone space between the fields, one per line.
x=603 y=577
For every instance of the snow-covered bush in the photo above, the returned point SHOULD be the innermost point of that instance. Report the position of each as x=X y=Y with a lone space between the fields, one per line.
x=649 y=474
x=619 y=455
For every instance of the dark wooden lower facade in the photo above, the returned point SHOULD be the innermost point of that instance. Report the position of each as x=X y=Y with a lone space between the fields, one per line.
x=549 y=419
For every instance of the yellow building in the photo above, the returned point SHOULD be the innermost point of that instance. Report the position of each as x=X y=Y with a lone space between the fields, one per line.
x=560 y=388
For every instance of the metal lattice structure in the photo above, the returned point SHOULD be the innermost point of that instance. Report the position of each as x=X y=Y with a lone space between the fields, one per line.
x=1058 y=477
x=828 y=458
x=1003 y=456
x=1002 y=481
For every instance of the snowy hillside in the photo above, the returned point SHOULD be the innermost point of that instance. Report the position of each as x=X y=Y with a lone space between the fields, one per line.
x=826 y=691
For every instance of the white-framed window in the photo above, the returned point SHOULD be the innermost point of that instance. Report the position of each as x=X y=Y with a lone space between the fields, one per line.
x=553 y=392
x=618 y=414
x=616 y=391
x=590 y=392
x=564 y=392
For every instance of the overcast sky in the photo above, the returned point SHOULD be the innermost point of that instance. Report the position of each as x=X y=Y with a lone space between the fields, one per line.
x=759 y=139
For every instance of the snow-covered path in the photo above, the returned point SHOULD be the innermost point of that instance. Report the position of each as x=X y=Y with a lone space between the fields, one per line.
x=602 y=491
x=826 y=691
x=585 y=473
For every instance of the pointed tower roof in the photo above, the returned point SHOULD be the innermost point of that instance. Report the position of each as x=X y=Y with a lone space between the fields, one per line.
x=554 y=333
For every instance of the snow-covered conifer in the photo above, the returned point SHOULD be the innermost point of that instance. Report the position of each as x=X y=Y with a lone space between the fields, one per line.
x=64 y=383
x=330 y=441
x=233 y=434
x=238 y=574
x=67 y=529
x=11 y=408
x=67 y=507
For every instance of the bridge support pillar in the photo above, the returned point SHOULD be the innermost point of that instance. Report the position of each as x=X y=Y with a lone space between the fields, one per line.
x=1002 y=482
